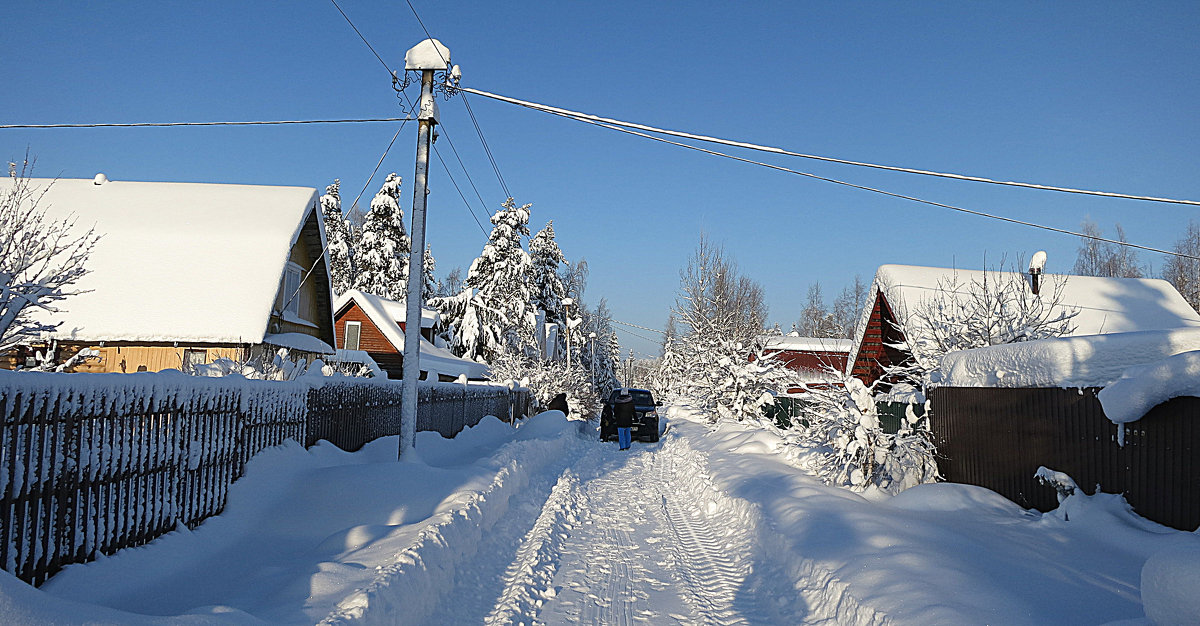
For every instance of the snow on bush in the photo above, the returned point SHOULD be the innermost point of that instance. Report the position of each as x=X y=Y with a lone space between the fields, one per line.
x=853 y=450
x=549 y=379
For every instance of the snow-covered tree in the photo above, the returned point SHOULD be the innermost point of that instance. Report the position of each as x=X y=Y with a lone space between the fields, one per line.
x=1184 y=272
x=996 y=308
x=596 y=355
x=431 y=288
x=500 y=317
x=718 y=314
x=1101 y=258
x=41 y=259
x=548 y=287
x=337 y=234
x=384 y=246
x=852 y=450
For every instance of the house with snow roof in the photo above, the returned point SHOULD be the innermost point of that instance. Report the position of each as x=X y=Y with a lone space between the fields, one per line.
x=1104 y=305
x=185 y=273
x=813 y=358
x=375 y=325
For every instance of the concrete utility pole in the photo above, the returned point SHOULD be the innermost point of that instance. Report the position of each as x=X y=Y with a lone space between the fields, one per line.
x=428 y=56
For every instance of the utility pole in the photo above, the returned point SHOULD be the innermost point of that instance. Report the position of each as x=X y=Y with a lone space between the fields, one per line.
x=426 y=57
x=592 y=358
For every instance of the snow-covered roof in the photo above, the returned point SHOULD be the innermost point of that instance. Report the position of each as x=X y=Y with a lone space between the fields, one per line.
x=1106 y=305
x=298 y=341
x=177 y=261
x=1079 y=361
x=387 y=314
x=806 y=344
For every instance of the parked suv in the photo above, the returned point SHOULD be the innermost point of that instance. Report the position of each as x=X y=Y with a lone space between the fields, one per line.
x=645 y=416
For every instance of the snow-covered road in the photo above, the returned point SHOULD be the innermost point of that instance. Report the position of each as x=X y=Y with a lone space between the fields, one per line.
x=544 y=524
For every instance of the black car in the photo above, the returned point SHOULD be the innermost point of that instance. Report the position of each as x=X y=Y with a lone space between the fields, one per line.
x=645 y=416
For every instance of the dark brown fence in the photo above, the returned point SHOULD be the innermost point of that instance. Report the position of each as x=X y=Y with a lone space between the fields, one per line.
x=92 y=463
x=997 y=438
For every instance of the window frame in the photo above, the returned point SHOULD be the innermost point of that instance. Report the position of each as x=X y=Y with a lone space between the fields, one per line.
x=357 y=336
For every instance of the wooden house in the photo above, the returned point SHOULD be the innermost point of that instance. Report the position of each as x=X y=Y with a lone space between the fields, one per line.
x=185 y=273
x=1102 y=305
x=814 y=358
x=376 y=326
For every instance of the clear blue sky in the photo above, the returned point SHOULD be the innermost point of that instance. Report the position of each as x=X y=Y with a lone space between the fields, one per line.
x=1090 y=95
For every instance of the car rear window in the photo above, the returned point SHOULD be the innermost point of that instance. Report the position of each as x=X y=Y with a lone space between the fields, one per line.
x=642 y=397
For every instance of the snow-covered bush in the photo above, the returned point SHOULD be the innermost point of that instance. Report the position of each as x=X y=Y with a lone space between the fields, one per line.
x=853 y=450
x=548 y=379
x=264 y=366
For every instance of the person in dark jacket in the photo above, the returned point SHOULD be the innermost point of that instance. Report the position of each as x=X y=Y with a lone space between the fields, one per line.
x=623 y=417
x=559 y=403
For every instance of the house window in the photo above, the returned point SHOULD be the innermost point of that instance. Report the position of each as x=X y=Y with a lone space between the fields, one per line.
x=192 y=358
x=353 y=331
x=294 y=299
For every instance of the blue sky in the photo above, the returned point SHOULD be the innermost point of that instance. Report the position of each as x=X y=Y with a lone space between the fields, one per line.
x=1097 y=96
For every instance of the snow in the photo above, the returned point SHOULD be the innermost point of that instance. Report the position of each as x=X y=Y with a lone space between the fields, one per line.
x=544 y=524
x=1106 y=305
x=1143 y=387
x=806 y=344
x=430 y=54
x=1079 y=361
x=167 y=253
x=298 y=341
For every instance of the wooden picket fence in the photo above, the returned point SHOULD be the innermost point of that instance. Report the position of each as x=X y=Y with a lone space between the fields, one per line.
x=91 y=464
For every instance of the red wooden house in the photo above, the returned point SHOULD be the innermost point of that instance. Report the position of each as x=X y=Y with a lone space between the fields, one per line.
x=816 y=358
x=375 y=325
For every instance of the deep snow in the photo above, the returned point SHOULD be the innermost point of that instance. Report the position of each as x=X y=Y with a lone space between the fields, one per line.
x=545 y=524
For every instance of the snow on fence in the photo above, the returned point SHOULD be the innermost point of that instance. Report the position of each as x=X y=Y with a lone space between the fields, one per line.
x=90 y=464
x=999 y=437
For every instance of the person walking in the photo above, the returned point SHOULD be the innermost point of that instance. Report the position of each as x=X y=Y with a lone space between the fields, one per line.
x=623 y=417
x=559 y=403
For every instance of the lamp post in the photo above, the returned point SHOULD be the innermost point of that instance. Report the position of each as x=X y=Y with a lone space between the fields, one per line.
x=566 y=303
x=592 y=336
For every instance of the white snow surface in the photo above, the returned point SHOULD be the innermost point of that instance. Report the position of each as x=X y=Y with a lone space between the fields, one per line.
x=543 y=524
x=1143 y=387
x=163 y=266
x=1081 y=361
x=430 y=54
x=1106 y=305
x=298 y=341
x=806 y=344
x=387 y=315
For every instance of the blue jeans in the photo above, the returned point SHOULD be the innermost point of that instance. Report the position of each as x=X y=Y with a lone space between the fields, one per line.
x=623 y=438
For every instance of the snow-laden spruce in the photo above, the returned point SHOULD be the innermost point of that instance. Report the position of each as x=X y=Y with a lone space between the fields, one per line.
x=337 y=234
x=382 y=255
x=548 y=287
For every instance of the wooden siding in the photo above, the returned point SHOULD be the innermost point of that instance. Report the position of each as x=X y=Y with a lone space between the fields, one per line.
x=127 y=358
x=316 y=301
x=874 y=353
x=370 y=339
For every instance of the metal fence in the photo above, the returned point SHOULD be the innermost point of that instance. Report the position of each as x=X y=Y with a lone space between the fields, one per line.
x=997 y=438
x=90 y=464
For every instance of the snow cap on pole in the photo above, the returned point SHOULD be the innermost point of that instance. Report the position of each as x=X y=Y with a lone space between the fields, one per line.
x=430 y=54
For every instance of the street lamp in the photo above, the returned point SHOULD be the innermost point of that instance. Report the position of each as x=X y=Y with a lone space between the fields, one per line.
x=592 y=336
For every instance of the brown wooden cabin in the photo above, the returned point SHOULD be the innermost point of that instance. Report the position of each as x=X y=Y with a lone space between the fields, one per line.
x=185 y=273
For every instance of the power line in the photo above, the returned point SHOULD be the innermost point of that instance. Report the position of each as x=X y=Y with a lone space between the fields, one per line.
x=479 y=131
x=364 y=39
x=653 y=330
x=643 y=337
x=460 y=193
x=250 y=123
x=872 y=189
x=750 y=146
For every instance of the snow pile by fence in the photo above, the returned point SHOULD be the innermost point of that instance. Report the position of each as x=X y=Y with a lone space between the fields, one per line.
x=1084 y=361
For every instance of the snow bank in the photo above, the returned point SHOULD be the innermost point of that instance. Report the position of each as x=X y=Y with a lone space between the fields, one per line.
x=1082 y=361
x=1170 y=579
x=1143 y=387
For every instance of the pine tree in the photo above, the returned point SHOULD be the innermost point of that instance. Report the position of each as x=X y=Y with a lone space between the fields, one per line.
x=431 y=287
x=337 y=234
x=548 y=286
x=500 y=317
x=382 y=258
